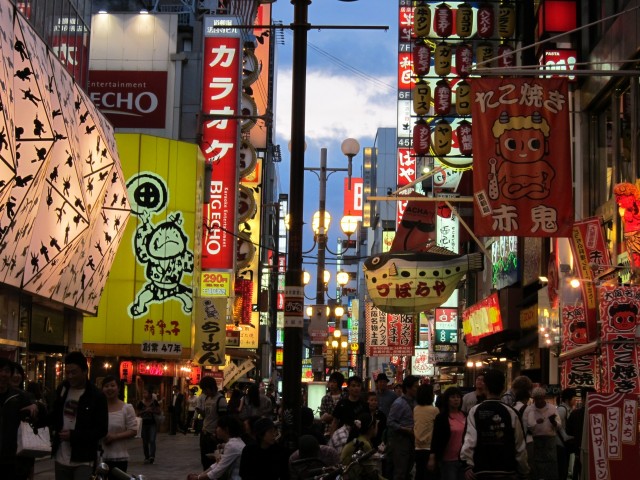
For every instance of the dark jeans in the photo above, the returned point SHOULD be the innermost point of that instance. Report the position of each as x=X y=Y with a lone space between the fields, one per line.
x=208 y=444
x=402 y=454
x=422 y=458
x=121 y=465
x=148 y=435
x=81 y=472
x=176 y=423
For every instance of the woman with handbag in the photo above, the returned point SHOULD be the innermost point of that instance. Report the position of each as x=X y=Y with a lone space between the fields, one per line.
x=148 y=408
x=122 y=426
x=14 y=406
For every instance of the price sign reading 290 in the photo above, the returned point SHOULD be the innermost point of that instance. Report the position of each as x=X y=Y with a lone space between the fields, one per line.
x=215 y=284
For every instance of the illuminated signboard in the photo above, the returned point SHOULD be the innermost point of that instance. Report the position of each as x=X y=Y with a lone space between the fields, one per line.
x=482 y=319
x=446 y=322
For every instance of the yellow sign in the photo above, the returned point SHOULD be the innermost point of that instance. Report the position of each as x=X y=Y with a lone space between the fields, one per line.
x=215 y=284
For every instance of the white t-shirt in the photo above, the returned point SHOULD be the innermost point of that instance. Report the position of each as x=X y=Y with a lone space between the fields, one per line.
x=120 y=421
x=69 y=414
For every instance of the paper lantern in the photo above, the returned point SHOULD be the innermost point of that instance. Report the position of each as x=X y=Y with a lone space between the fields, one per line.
x=506 y=19
x=421 y=98
x=422 y=20
x=443 y=24
x=410 y=282
x=506 y=58
x=484 y=53
x=442 y=62
x=464 y=20
x=463 y=132
x=486 y=21
x=442 y=98
x=421 y=138
x=464 y=59
x=421 y=59
x=442 y=138
x=463 y=98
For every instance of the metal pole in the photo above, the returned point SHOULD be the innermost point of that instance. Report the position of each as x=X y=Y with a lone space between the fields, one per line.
x=322 y=234
x=292 y=368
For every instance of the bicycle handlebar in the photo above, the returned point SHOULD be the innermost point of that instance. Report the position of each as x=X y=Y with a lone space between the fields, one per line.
x=333 y=469
x=120 y=475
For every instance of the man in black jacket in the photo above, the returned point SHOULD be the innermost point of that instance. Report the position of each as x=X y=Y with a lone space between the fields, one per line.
x=14 y=406
x=175 y=409
x=78 y=421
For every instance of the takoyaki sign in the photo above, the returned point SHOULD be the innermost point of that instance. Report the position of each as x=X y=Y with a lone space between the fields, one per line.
x=521 y=157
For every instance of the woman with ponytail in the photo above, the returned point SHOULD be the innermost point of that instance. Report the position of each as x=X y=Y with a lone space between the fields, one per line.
x=361 y=438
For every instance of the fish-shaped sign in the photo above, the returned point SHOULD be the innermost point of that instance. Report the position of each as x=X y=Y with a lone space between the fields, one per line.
x=412 y=282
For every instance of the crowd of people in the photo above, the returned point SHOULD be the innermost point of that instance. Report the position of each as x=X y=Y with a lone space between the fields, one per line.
x=414 y=434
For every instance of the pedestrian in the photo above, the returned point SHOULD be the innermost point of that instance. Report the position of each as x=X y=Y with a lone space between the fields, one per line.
x=329 y=402
x=400 y=425
x=310 y=455
x=397 y=389
x=360 y=437
x=235 y=401
x=343 y=424
x=575 y=428
x=147 y=409
x=385 y=396
x=265 y=459
x=227 y=465
x=494 y=445
x=448 y=433
x=15 y=405
x=78 y=420
x=568 y=399
x=122 y=426
x=18 y=377
x=215 y=406
x=475 y=397
x=192 y=401
x=176 y=410
x=380 y=418
x=541 y=423
x=348 y=408
x=518 y=386
x=255 y=403
x=424 y=414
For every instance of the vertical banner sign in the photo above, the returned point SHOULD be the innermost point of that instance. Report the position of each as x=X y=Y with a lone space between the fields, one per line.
x=353 y=197
x=446 y=330
x=221 y=88
x=388 y=334
x=590 y=252
x=579 y=371
x=619 y=309
x=210 y=339
x=521 y=157
x=611 y=424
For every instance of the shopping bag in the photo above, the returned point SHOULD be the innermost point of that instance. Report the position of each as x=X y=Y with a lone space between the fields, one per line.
x=139 y=427
x=33 y=442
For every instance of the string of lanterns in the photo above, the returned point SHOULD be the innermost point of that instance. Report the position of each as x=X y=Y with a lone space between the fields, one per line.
x=435 y=41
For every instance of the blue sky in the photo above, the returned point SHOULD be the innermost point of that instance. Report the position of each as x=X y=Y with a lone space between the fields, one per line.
x=351 y=91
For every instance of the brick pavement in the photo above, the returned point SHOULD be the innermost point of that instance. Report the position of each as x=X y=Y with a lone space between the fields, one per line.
x=176 y=456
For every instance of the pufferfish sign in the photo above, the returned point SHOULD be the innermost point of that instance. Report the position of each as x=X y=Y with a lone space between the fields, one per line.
x=412 y=282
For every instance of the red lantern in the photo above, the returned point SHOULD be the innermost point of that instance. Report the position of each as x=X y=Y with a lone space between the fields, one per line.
x=443 y=210
x=463 y=98
x=464 y=20
x=126 y=371
x=463 y=132
x=506 y=57
x=442 y=62
x=421 y=138
x=486 y=21
x=506 y=19
x=421 y=20
x=421 y=59
x=442 y=98
x=442 y=138
x=421 y=98
x=464 y=59
x=443 y=20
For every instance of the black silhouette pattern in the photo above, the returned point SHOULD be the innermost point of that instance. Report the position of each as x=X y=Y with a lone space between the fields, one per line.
x=59 y=224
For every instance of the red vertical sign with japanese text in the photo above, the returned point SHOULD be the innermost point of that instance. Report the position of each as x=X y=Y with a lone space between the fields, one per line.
x=521 y=157
x=221 y=89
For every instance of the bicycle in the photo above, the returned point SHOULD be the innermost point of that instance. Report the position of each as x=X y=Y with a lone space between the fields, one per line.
x=340 y=471
x=102 y=473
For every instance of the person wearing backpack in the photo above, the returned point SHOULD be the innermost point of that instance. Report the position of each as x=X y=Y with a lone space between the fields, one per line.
x=567 y=403
x=215 y=406
x=494 y=427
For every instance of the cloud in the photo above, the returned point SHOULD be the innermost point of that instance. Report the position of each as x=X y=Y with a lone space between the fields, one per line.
x=338 y=106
